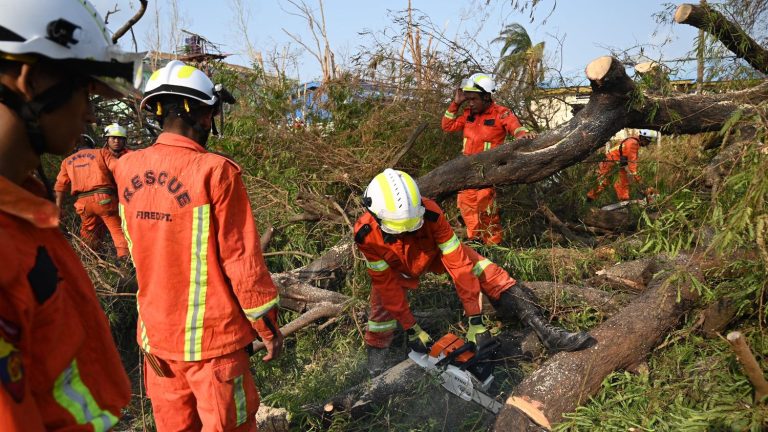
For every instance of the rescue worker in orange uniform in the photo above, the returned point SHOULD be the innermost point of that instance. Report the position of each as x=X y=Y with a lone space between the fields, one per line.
x=59 y=368
x=116 y=146
x=485 y=125
x=403 y=236
x=622 y=157
x=86 y=175
x=204 y=288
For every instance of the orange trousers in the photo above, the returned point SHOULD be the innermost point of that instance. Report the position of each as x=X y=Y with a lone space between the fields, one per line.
x=480 y=214
x=494 y=280
x=95 y=209
x=621 y=186
x=210 y=395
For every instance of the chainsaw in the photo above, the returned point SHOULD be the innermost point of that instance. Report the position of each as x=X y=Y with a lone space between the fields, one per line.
x=463 y=370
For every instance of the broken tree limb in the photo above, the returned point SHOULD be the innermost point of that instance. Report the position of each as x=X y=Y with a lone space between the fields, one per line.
x=567 y=380
x=705 y=18
x=555 y=222
x=408 y=144
x=749 y=363
x=130 y=23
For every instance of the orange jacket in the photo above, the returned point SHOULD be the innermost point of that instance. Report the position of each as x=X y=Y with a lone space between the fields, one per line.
x=485 y=131
x=84 y=171
x=203 y=283
x=59 y=368
x=627 y=149
x=111 y=158
x=399 y=263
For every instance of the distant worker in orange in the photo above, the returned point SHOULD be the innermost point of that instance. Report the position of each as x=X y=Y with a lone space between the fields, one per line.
x=485 y=125
x=116 y=145
x=623 y=158
x=86 y=175
x=404 y=235
x=204 y=289
x=59 y=368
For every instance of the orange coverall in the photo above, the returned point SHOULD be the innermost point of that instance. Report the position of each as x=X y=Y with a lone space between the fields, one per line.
x=482 y=132
x=203 y=284
x=111 y=158
x=624 y=158
x=59 y=367
x=87 y=175
x=395 y=264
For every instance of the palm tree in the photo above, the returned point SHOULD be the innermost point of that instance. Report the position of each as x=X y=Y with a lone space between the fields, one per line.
x=520 y=62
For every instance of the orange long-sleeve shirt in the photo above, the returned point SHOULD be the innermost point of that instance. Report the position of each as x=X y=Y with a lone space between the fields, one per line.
x=484 y=131
x=203 y=282
x=59 y=367
x=111 y=158
x=629 y=149
x=408 y=256
x=84 y=171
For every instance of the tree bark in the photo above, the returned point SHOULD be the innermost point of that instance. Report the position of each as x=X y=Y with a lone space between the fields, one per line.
x=568 y=379
x=731 y=35
x=130 y=23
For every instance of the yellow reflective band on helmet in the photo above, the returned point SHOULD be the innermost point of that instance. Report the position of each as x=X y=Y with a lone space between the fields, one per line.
x=413 y=192
x=449 y=246
x=185 y=71
x=154 y=75
x=386 y=191
x=198 y=283
x=486 y=146
x=401 y=226
x=378 y=266
x=254 y=314
x=470 y=85
x=450 y=115
x=378 y=327
x=480 y=266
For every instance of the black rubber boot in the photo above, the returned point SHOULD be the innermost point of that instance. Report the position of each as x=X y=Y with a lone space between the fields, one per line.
x=521 y=301
x=377 y=360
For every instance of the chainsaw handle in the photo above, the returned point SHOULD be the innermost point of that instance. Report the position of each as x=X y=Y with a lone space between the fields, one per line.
x=452 y=356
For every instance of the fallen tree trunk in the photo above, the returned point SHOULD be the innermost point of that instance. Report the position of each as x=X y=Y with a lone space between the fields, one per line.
x=731 y=35
x=569 y=379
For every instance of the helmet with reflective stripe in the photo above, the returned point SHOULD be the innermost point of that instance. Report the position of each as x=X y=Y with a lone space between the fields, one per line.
x=479 y=82
x=115 y=130
x=394 y=198
x=71 y=33
x=87 y=141
x=647 y=133
x=179 y=79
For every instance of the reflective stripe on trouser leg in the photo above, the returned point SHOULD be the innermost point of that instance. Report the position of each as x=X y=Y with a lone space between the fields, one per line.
x=198 y=283
x=382 y=331
x=493 y=279
x=74 y=396
x=240 y=405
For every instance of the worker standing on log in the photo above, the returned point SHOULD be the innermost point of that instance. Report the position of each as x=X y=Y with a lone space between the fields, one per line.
x=485 y=126
x=59 y=368
x=87 y=176
x=403 y=236
x=623 y=157
x=204 y=288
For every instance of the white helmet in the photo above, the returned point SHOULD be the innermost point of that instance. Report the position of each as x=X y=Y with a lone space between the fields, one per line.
x=115 y=130
x=647 y=133
x=394 y=198
x=479 y=82
x=177 y=78
x=70 y=32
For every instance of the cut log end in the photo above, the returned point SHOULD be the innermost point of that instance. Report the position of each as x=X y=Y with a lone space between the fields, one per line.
x=734 y=336
x=683 y=12
x=532 y=409
x=598 y=68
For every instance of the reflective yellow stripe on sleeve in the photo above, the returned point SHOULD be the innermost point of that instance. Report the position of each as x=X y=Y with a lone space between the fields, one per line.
x=450 y=115
x=254 y=314
x=72 y=394
x=451 y=245
x=520 y=129
x=480 y=266
x=198 y=283
x=486 y=146
x=377 y=266
x=378 y=327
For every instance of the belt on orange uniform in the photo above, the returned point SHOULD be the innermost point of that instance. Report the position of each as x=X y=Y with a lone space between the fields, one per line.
x=108 y=191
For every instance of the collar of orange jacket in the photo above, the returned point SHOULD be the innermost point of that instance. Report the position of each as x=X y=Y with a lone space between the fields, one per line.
x=176 y=140
x=23 y=202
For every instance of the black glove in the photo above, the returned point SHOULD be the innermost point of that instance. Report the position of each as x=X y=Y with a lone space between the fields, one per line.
x=418 y=339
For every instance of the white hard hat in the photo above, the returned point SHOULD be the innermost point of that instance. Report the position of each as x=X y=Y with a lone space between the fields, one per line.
x=648 y=133
x=177 y=78
x=479 y=82
x=71 y=33
x=115 y=130
x=394 y=198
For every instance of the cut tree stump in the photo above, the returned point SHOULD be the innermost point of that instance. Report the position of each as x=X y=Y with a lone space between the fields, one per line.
x=749 y=363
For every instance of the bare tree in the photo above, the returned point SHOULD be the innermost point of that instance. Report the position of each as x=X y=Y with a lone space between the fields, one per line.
x=322 y=50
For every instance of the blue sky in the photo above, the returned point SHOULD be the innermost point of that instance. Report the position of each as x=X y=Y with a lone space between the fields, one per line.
x=586 y=27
